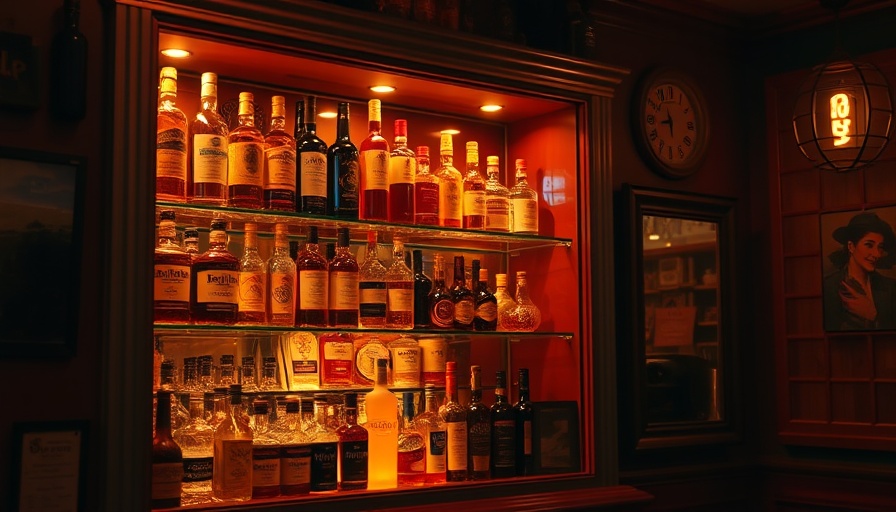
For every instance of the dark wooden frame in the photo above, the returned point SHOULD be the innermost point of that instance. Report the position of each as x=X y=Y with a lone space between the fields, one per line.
x=545 y=415
x=636 y=433
x=23 y=429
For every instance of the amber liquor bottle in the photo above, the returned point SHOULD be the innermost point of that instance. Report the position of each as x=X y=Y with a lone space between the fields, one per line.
x=399 y=290
x=523 y=416
x=402 y=172
x=426 y=191
x=253 y=279
x=171 y=275
x=464 y=303
x=486 y=316
x=441 y=306
x=245 y=158
x=479 y=433
x=281 y=277
x=374 y=159
x=215 y=281
x=208 y=157
x=167 y=458
x=474 y=190
x=343 y=290
x=372 y=287
x=313 y=279
x=451 y=186
x=311 y=161
x=171 y=142
x=343 y=170
x=353 y=447
x=279 y=161
x=455 y=418
x=503 y=460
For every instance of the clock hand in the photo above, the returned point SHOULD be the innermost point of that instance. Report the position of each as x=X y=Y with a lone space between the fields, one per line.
x=668 y=121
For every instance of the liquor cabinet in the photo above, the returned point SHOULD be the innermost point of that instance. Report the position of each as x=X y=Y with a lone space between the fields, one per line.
x=556 y=115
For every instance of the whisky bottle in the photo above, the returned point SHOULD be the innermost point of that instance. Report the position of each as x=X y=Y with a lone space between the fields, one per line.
x=374 y=159
x=337 y=356
x=171 y=142
x=171 y=275
x=248 y=374
x=324 y=448
x=232 y=471
x=479 y=433
x=353 y=448
x=226 y=369
x=505 y=301
x=279 y=161
x=295 y=449
x=432 y=428
x=474 y=190
x=426 y=191
x=497 y=198
x=406 y=362
x=422 y=287
x=503 y=460
x=167 y=458
x=208 y=159
x=196 y=442
x=214 y=289
x=523 y=203
x=304 y=361
x=343 y=289
x=269 y=374
x=372 y=288
x=451 y=186
x=312 y=294
x=281 y=280
x=486 y=316
x=455 y=417
x=399 y=290
x=253 y=279
x=343 y=170
x=311 y=153
x=265 y=454
x=402 y=173
x=434 y=352
x=381 y=407
x=464 y=303
x=441 y=305
x=411 y=447
x=523 y=416
x=245 y=158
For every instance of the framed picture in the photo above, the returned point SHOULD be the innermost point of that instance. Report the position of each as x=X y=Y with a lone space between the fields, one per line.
x=41 y=197
x=555 y=437
x=49 y=466
x=858 y=251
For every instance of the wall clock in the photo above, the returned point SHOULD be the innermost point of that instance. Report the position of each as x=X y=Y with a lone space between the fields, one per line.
x=671 y=123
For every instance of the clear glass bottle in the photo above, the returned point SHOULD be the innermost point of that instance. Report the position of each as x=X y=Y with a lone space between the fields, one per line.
x=311 y=153
x=455 y=417
x=265 y=454
x=324 y=448
x=432 y=428
x=374 y=158
x=167 y=458
x=505 y=301
x=206 y=376
x=464 y=303
x=474 y=190
x=402 y=173
x=232 y=471
x=343 y=170
x=336 y=359
x=523 y=203
x=503 y=460
x=208 y=159
x=372 y=288
x=248 y=374
x=253 y=279
x=411 y=447
x=295 y=449
x=479 y=430
x=171 y=275
x=279 y=161
x=281 y=280
x=399 y=290
x=486 y=315
x=191 y=242
x=426 y=191
x=422 y=288
x=344 y=274
x=171 y=142
x=406 y=362
x=353 y=448
x=245 y=158
x=451 y=186
x=215 y=281
x=227 y=371
x=441 y=305
x=525 y=316
x=381 y=408
x=497 y=198
x=312 y=295
x=304 y=361
x=269 y=374
x=196 y=440
x=524 y=415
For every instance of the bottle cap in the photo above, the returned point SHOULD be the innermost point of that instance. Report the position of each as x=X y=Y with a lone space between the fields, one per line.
x=351 y=400
x=278 y=106
x=247 y=103
x=310 y=108
x=446 y=144
x=521 y=274
x=422 y=151
x=281 y=228
x=250 y=226
x=219 y=225
x=292 y=406
x=312 y=234
x=260 y=407
x=450 y=366
x=483 y=275
x=342 y=237
x=166 y=215
x=374 y=110
x=191 y=232
x=168 y=72
x=401 y=127
x=492 y=160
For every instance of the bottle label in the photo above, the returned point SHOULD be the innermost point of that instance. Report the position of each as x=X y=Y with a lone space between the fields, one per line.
x=303 y=349
x=198 y=469
x=504 y=449
x=480 y=445
x=233 y=465
x=171 y=154
x=376 y=170
x=338 y=351
x=497 y=212
x=171 y=283
x=265 y=466
x=400 y=299
x=525 y=215
x=295 y=465
x=464 y=310
x=406 y=366
x=442 y=314
x=209 y=159
x=527 y=437
x=252 y=290
x=313 y=289
x=457 y=445
x=347 y=196
x=282 y=293
x=426 y=199
x=436 y=446
x=280 y=168
x=221 y=286
x=487 y=311
x=402 y=169
x=324 y=460
x=313 y=174
x=166 y=480
x=372 y=299
x=474 y=203
x=450 y=205
x=353 y=459
x=434 y=352
x=365 y=360
x=344 y=290
x=245 y=164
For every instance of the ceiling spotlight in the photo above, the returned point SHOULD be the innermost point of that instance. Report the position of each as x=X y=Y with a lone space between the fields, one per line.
x=382 y=88
x=176 y=53
x=328 y=114
x=450 y=132
x=491 y=108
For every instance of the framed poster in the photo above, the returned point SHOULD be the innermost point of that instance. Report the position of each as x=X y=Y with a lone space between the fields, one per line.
x=555 y=437
x=49 y=466
x=41 y=197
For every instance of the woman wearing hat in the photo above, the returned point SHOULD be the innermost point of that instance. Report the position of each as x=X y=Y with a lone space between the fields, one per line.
x=856 y=295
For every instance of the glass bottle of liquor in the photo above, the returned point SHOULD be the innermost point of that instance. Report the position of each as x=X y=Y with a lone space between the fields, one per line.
x=191 y=242
x=268 y=374
x=253 y=279
x=523 y=203
x=167 y=458
x=523 y=416
x=281 y=274
x=248 y=375
x=336 y=359
x=353 y=448
x=441 y=305
x=525 y=316
x=474 y=190
x=503 y=463
x=497 y=198
x=245 y=158
x=374 y=158
x=402 y=172
x=279 y=161
x=479 y=433
x=196 y=442
x=422 y=287
x=434 y=352
x=311 y=292
x=432 y=428
x=324 y=448
x=343 y=169
x=344 y=275
x=505 y=301
x=381 y=407
x=265 y=454
x=426 y=191
x=208 y=159
x=171 y=142
x=232 y=471
x=215 y=281
x=312 y=164
x=304 y=361
x=295 y=450
x=372 y=288
x=368 y=349
x=464 y=303
x=451 y=186
x=298 y=129
x=226 y=370
x=206 y=379
x=455 y=417
x=171 y=275
x=486 y=315
x=411 y=447
x=406 y=362
x=399 y=290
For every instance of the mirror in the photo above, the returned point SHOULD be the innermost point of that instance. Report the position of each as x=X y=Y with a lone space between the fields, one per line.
x=677 y=331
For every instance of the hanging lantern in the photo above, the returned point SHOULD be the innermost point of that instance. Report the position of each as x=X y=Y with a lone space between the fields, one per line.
x=843 y=115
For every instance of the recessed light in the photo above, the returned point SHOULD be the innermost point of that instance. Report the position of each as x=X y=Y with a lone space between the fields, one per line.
x=450 y=132
x=176 y=53
x=382 y=88
x=491 y=108
x=327 y=114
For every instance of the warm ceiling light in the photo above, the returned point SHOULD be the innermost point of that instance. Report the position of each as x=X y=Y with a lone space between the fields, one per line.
x=382 y=88
x=653 y=236
x=491 y=108
x=176 y=53
x=450 y=132
x=327 y=114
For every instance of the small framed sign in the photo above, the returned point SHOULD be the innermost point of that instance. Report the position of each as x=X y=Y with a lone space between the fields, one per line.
x=555 y=437
x=49 y=466
x=19 y=77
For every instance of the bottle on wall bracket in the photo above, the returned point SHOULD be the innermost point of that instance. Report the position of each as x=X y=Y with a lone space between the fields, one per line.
x=343 y=170
x=279 y=161
x=208 y=157
x=245 y=159
x=311 y=163
x=171 y=142
x=374 y=160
